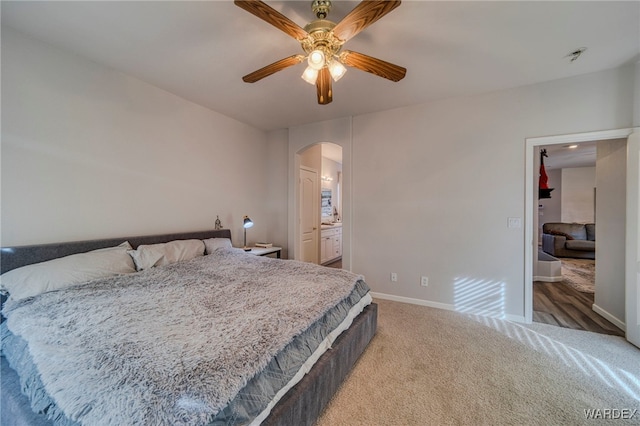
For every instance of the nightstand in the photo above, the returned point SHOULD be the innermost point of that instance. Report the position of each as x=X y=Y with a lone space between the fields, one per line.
x=262 y=251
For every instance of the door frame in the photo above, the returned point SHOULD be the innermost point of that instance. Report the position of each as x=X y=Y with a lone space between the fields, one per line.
x=632 y=260
x=530 y=211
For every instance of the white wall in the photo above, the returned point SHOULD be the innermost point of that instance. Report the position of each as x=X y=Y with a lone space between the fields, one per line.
x=434 y=185
x=277 y=183
x=88 y=152
x=578 y=196
x=610 y=229
x=312 y=158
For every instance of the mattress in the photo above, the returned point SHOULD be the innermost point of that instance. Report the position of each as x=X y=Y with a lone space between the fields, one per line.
x=253 y=402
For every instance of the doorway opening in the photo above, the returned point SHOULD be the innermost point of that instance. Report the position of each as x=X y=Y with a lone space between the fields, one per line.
x=320 y=204
x=564 y=283
x=611 y=292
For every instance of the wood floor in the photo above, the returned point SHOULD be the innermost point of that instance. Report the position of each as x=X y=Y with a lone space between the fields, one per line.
x=337 y=264
x=561 y=305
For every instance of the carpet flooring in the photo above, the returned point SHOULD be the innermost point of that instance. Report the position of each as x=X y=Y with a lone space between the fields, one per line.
x=427 y=366
x=579 y=274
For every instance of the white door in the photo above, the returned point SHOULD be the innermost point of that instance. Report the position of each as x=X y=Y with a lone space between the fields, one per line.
x=632 y=295
x=309 y=214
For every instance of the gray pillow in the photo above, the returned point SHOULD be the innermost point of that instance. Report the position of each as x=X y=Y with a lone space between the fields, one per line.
x=148 y=256
x=213 y=244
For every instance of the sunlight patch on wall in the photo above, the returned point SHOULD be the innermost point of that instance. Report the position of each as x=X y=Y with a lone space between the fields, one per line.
x=480 y=297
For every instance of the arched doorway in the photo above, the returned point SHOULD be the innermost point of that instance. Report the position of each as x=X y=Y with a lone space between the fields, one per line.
x=319 y=203
x=338 y=132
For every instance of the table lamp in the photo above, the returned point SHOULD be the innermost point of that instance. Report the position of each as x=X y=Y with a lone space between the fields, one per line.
x=248 y=223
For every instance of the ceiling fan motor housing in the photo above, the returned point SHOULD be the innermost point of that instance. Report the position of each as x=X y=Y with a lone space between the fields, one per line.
x=321 y=38
x=321 y=8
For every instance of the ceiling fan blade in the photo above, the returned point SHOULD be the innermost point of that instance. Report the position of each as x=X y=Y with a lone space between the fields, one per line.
x=272 y=68
x=323 y=84
x=363 y=15
x=374 y=66
x=273 y=17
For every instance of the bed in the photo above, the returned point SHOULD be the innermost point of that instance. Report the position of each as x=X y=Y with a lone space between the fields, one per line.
x=302 y=392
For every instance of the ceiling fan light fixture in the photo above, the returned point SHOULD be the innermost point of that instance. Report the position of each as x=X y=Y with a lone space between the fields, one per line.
x=322 y=40
x=337 y=70
x=317 y=59
x=310 y=75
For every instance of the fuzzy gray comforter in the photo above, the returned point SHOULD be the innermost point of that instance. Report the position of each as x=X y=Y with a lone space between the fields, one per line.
x=173 y=344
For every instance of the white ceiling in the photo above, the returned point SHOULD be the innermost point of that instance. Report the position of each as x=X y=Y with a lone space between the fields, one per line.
x=200 y=50
x=563 y=156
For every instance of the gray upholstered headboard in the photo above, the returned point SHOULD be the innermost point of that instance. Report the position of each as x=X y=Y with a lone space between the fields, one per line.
x=15 y=257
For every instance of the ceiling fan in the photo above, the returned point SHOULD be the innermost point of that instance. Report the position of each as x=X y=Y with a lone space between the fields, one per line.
x=322 y=42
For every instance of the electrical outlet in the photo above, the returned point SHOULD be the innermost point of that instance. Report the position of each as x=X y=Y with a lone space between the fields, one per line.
x=424 y=281
x=394 y=277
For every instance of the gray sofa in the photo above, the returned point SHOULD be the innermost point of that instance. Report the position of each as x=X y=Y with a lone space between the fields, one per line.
x=569 y=239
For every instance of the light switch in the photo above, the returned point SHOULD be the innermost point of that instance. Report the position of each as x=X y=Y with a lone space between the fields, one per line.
x=514 y=222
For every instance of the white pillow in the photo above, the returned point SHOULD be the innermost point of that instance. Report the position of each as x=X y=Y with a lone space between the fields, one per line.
x=215 y=243
x=57 y=274
x=148 y=256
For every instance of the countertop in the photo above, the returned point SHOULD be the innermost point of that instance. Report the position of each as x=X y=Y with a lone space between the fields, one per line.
x=335 y=225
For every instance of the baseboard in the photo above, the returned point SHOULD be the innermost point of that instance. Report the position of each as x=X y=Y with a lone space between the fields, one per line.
x=447 y=307
x=611 y=318
x=547 y=279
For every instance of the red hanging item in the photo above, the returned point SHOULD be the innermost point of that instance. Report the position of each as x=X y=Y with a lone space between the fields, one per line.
x=543 y=187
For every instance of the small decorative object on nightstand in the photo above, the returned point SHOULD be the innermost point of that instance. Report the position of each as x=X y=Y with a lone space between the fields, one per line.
x=218 y=223
x=247 y=223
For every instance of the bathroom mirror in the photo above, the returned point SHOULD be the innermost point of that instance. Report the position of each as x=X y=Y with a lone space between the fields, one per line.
x=326 y=207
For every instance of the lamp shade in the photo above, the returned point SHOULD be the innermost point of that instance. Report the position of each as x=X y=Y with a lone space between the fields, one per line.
x=316 y=59
x=248 y=223
x=310 y=75
x=337 y=70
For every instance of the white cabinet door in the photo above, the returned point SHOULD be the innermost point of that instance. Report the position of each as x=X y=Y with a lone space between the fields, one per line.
x=326 y=249
x=331 y=244
x=337 y=243
x=323 y=249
